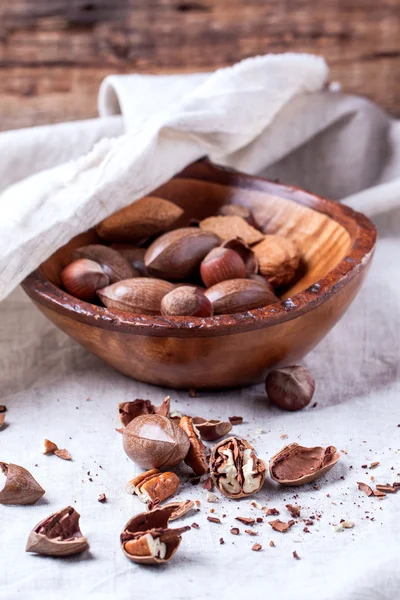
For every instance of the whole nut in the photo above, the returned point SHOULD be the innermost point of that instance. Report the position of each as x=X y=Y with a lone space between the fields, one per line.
x=263 y=281
x=112 y=262
x=196 y=457
x=144 y=218
x=155 y=442
x=141 y=295
x=239 y=295
x=230 y=227
x=245 y=252
x=134 y=256
x=20 y=487
x=238 y=210
x=82 y=278
x=177 y=255
x=278 y=259
x=58 y=535
x=297 y=465
x=153 y=485
x=236 y=469
x=290 y=388
x=147 y=539
x=221 y=264
x=186 y=301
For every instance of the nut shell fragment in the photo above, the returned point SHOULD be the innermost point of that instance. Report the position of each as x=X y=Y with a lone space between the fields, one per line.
x=236 y=469
x=20 y=487
x=58 y=535
x=297 y=465
x=211 y=430
x=196 y=457
x=147 y=539
x=227 y=227
x=128 y=411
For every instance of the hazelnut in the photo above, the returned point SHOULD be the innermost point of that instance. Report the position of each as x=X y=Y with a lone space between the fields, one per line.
x=112 y=262
x=297 y=465
x=245 y=253
x=144 y=218
x=147 y=539
x=141 y=295
x=186 y=301
x=20 y=487
x=221 y=264
x=82 y=278
x=290 y=388
x=58 y=535
x=239 y=295
x=196 y=457
x=177 y=255
x=236 y=469
x=278 y=259
x=155 y=442
x=230 y=227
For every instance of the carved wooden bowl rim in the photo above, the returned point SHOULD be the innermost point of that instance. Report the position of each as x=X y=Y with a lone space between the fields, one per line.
x=360 y=228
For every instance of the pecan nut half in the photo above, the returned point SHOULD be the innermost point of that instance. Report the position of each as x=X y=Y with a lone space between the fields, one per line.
x=154 y=485
x=58 y=535
x=196 y=457
x=147 y=539
x=235 y=468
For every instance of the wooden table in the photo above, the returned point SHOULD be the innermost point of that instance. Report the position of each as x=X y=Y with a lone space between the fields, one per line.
x=54 y=53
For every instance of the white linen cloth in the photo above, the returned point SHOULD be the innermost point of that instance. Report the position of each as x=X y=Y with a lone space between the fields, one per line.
x=270 y=115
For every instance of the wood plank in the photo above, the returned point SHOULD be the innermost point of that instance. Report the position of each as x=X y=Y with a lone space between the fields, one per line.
x=54 y=53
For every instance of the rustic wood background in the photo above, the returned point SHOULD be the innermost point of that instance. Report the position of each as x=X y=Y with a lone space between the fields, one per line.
x=54 y=53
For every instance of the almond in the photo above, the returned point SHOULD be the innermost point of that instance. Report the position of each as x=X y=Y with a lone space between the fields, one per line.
x=278 y=259
x=228 y=227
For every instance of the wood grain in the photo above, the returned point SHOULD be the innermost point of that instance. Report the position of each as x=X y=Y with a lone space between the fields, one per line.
x=54 y=53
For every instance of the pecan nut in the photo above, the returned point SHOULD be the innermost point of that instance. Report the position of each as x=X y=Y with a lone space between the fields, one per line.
x=196 y=457
x=235 y=468
x=147 y=539
x=154 y=485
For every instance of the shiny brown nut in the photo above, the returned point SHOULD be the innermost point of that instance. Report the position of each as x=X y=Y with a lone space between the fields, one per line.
x=128 y=411
x=147 y=539
x=239 y=295
x=235 y=468
x=290 y=388
x=221 y=264
x=245 y=252
x=82 y=278
x=177 y=255
x=153 y=485
x=112 y=262
x=213 y=429
x=144 y=218
x=297 y=465
x=20 y=487
x=230 y=227
x=196 y=457
x=238 y=210
x=186 y=301
x=155 y=442
x=58 y=535
x=141 y=295
x=263 y=281
x=134 y=256
x=278 y=259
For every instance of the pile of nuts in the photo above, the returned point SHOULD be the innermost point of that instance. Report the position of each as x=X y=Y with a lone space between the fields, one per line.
x=154 y=261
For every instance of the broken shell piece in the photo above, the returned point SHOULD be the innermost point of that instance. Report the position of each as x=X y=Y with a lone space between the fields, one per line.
x=48 y=447
x=63 y=453
x=130 y=410
x=344 y=525
x=146 y=538
x=2 y=419
x=20 y=487
x=180 y=509
x=211 y=430
x=58 y=535
x=195 y=458
x=297 y=465
x=154 y=486
x=281 y=526
x=235 y=468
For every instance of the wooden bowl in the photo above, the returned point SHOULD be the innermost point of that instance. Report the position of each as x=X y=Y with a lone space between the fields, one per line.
x=337 y=245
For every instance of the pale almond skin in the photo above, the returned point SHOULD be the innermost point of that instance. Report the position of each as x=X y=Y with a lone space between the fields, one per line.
x=232 y=226
x=144 y=218
x=114 y=265
x=278 y=259
x=142 y=295
x=82 y=278
x=239 y=295
x=177 y=255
